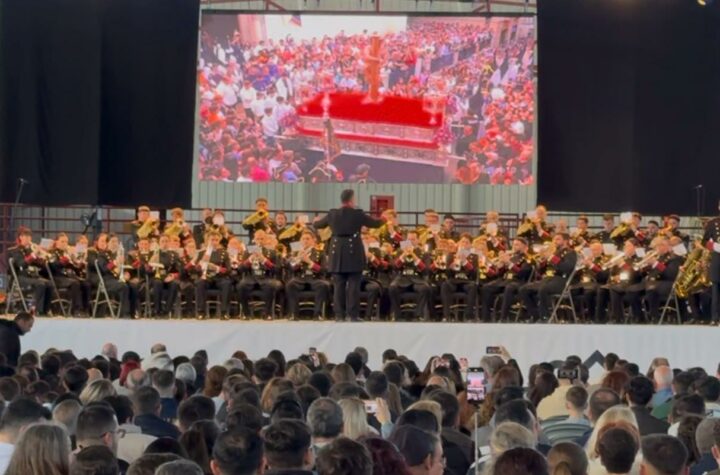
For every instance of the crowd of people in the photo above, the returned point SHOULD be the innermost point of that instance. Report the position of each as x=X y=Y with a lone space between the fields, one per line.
x=626 y=272
x=250 y=93
x=162 y=413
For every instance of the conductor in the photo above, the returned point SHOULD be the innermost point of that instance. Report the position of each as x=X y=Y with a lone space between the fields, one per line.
x=346 y=254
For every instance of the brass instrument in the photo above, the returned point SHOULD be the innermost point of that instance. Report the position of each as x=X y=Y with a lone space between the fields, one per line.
x=120 y=263
x=38 y=251
x=645 y=261
x=440 y=260
x=291 y=232
x=619 y=230
x=256 y=218
x=325 y=234
x=613 y=261
x=693 y=274
x=526 y=227
x=147 y=227
x=156 y=264
x=176 y=228
x=205 y=264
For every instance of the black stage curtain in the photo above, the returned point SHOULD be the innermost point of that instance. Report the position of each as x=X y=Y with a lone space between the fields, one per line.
x=97 y=100
x=629 y=105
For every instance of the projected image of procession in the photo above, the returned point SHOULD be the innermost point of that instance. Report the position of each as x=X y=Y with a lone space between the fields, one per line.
x=366 y=99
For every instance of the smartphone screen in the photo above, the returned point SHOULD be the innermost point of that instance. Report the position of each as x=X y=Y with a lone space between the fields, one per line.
x=371 y=407
x=475 y=380
x=312 y=350
x=492 y=350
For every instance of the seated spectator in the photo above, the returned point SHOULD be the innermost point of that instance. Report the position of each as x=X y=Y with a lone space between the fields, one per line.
x=288 y=448
x=245 y=415
x=687 y=429
x=74 y=379
x=18 y=415
x=576 y=424
x=554 y=405
x=164 y=382
x=521 y=461
x=421 y=419
x=94 y=460
x=355 y=423
x=43 y=448
x=600 y=401
x=681 y=384
x=663 y=455
x=198 y=442
x=193 y=409
x=240 y=451
x=421 y=450
x=133 y=443
x=683 y=406
x=179 y=467
x=705 y=440
x=325 y=418
x=567 y=458
x=166 y=445
x=98 y=425
x=385 y=456
x=147 y=414
x=344 y=457
x=66 y=413
x=616 y=416
x=709 y=389
x=506 y=436
x=638 y=395
x=662 y=378
x=149 y=463
x=459 y=449
x=617 y=449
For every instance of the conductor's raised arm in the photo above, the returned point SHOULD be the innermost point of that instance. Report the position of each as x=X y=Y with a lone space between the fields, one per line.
x=320 y=223
x=370 y=222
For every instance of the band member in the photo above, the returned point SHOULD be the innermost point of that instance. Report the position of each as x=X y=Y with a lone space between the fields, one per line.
x=624 y=279
x=165 y=277
x=497 y=239
x=591 y=277
x=288 y=233
x=177 y=227
x=139 y=274
x=143 y=227
x=28 y=259
x=581 y=235
x=346 y=256
x=390 y=231
x=376 y=275
x=411 y=266
x=112 y=272
x=673 y=229
x=661 y=273
x=513 y=269
x=711 y=239
x=604 y=235
x=66 y=274
x=199 y=230
x=190 y=273
x=215 y=265
x=651 y=230
x=218 y=225
x=306 y=266
x=536 y=229
x=555 y=271
x=629 y=230
x=448 y=230
x=462 y=268
x=261 y=267
x=260 y=219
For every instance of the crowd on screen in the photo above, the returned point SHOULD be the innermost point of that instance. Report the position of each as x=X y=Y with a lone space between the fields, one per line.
x=164 y=413
x=249 y=92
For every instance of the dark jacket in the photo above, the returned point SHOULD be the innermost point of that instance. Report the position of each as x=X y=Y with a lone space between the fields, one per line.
x=647 y=423
x=10 y=334
x=150 y=424
x=289 y=471
x=169 y=407
x=346 y=252
x=459 y=450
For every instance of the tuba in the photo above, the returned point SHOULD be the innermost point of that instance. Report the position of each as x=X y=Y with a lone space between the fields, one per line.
x=256 y=218
x=693 y=275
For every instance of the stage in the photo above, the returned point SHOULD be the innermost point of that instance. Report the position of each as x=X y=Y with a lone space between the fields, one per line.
x=685 y=346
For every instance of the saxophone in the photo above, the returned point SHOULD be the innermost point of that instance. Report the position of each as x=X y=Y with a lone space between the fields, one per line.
x=693 y=274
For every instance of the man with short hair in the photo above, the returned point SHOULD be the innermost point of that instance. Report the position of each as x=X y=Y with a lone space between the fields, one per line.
x=164 y=382
x=554 y=405
x=288 y=449
x=344 y=457
x=17 y=416
x=179 y=467
x=663 y=455
x=133 y=443
x=195 y=408
x=95 y=460
x=238 y=452
x=325 y=418
x=600 y=401
x=10 y=333
x=576 y=424
x=66 y=413
x=638 y=395
x=681 y=385
x=97 y=425
x=617 y=449
x=709 y=389
x=683 y=406
x=663 y=377
x=421 y=450
x=110 y=351
x=147 y=414
x=458 y=447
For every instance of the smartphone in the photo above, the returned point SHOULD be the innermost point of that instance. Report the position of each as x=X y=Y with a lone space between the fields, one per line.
x=312 y=350
x=371 y=407
x=475 y=380
x=493 y=350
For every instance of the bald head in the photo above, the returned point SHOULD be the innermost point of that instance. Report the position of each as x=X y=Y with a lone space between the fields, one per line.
x=66 y=413
x=137 y=378
x=663 y=377
x=110 y=351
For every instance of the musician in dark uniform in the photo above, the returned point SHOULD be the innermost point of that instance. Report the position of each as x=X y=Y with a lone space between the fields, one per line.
x=66 y=274
x=673 y=229
x=604 y=234
x=260 y=219
x=390 y=231
x=165 y=277
x=462 y=268
x=190 y=273
x=376 y=275
x=623 y=282
x=555 y=272
x=28 y=262
x=513 y=269
x=261 y=269
x=412 y=266
x=199 y=230
x=215 y=265
x=590 y=278
x=711 y=238
x=306 y=266
x=110 y=269
x=346 y=254
x=447 y=230
x=660 y=277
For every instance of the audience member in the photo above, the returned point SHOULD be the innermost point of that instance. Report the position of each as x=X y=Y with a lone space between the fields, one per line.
x=617 y=449
x=41 y=449
x=179 y=467
x=98 y=425
x=638 y=395
x=164 y=382
x=238 y=452
x=458 y=448
x=567 y=458
x=10 y=333
x=147 y=414
x=663 y=455
x=149 y=463
x=344 y=457
x=325 y=418
x=17 y=416
x=94 y=460
x=600 y=401
x=520 y=461
x=288 y=448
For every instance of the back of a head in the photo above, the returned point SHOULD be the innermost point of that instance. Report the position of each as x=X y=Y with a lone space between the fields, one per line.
x=687 y=404
x=322 y=382
x=163 y=380
x=515 y=411
x=95 y=460
x=520 y=461
x=148 y=463
x=601 y=400
x=413 y=443
x=577 y=397
x=20 y=413
x=640 y=391
x=344 y=457
x=147 y=400
x=238 y=452
x=286 y=444
x=450 y=407
x=347 y=196
x=75 y=378
x=421 y=419
x=708 y=388
x=245 y=415
x=617 y=449
x=166 y=445
x=682 y=383
x=325 y=418
x=179 y=467
x=567 y=458
x=510 y=435
x=66 y=413
x=265 y=369
x=195 y=408
x=376 y=384
x=94 y=421
x=664 y=454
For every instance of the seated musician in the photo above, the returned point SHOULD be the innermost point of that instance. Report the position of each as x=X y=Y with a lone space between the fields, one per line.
x=555 y=271
x=630 y=230
x=66 y=273
x=289 y=233
x=447 y=230
x=376 y=275
x=439 y=273
x=306 y=269
x=219 y=226
x=261 y=268
x=199 y=230
x=605 y=234
x=590 y=278
x=260 y=219
x=661 y=268
x=28 y=260
x=673 y=229
x=112 y=271
x=143 y=226
x=215 y=265
x=165 y=277
x=462 y=268
x=390 y=231
x=512 y=269
x=178 y=227
x=581 y=234
x=652 y=229
x=411 y=266
x=139 y=273
x=536 y=229
x=497 y=239
x=190 y=272
x=428 y=232
x=624 y=279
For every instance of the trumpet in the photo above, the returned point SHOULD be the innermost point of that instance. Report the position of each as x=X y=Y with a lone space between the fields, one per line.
x=291 y=232
x=120 y=263
x=645 y=261
x=147 y=227
x=38 y=251
x=440 y=261
x=621 y=229
x=297 y=258
x=256 y=218
x=613 y=261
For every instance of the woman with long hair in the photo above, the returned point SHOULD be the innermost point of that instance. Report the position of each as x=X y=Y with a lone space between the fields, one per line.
x=355 y=423
x=387 y=460
x=43 y=449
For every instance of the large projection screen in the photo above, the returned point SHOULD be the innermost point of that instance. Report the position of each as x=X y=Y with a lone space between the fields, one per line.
x=366 y=99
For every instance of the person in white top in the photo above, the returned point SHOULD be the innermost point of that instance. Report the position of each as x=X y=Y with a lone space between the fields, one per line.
x=226 y=89
x=247 y=96
x=269 y=123
x=17 y=416
x=258 y=105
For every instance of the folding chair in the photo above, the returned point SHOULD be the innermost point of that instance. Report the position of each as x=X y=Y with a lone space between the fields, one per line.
x=103 y=293
x=15 y=291
x=64 y=304
x=675 y=305
x=565 y=300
